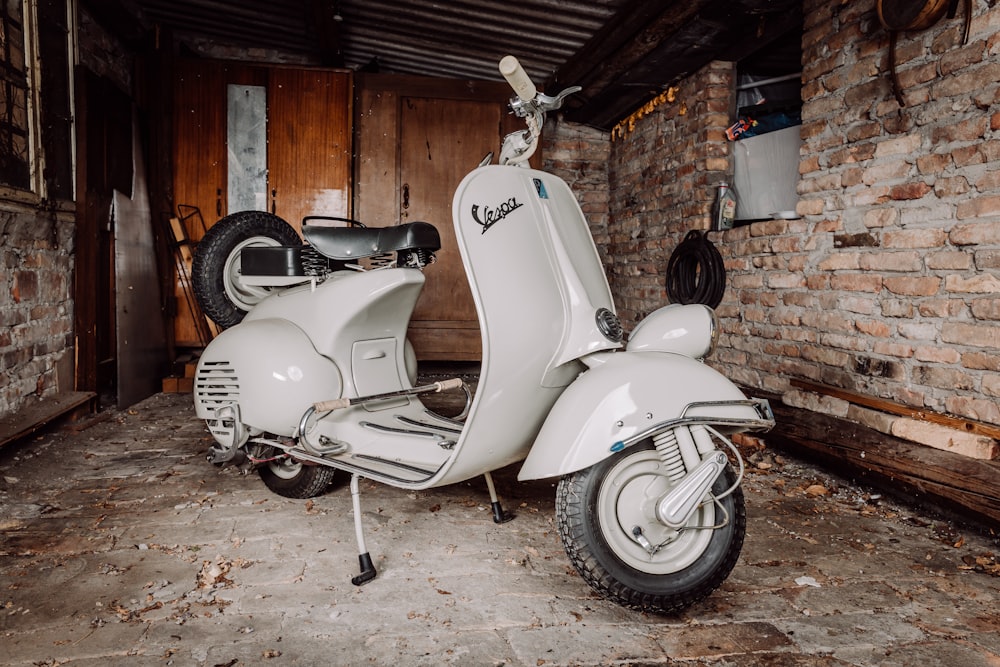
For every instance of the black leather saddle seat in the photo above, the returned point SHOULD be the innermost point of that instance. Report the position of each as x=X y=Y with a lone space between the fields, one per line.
x=351 y=243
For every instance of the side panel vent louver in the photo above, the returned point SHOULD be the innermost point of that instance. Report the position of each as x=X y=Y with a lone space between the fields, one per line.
x=216 y=384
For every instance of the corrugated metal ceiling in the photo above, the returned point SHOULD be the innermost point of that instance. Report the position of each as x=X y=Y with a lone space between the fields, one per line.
x=621 y=51
x=458 y=39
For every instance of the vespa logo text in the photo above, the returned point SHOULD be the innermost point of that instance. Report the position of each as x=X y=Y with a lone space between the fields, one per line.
x=487 y=217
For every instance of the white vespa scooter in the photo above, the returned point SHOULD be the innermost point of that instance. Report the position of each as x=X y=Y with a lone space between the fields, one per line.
x=318 y=377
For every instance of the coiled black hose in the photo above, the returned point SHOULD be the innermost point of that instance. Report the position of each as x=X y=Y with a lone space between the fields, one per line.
x=695 y=272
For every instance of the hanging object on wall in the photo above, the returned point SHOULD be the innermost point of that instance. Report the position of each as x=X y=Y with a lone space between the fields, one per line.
x=696 y=272
x=898 y=16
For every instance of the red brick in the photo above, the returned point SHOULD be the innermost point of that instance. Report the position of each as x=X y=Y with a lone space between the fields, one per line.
x=892 y=349
x=912 y=286
x=971 y=334
x=986 y=361
x=934 y=163
x=909 y=191
x=954 y=59
x=979 y=207
x=892 y=261
x=948 y=187
x=948 y=260
x=986 y=309
x=856 y=282
x=874 y=328
x=980 y=409
x=936 y=354
x=914 y=238
x=964 y=156
x=966 y=130
x=978 y=78
x=941 y=307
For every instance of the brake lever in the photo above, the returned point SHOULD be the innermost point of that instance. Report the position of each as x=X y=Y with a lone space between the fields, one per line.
x=548 y=103
x=541 y=102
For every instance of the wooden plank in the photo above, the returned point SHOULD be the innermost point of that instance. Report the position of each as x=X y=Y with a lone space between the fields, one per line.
x=376 y=184
x=892 y=407
x=446 y=343
x=200 y=177
x=37 y=415
x=968 y=486
x=309 y=143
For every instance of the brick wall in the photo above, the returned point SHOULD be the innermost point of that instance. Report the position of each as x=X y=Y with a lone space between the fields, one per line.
x=662 y=178
x=36 y=266
x=36 y=311
x=889 y=284
x=579 y=155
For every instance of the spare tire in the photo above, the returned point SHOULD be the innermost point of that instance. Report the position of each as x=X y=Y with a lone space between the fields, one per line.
x=216 y=269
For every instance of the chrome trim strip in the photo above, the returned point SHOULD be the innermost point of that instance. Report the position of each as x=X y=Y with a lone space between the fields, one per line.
x=302 y=455
x=413 y=422
x=401 y=431
x=761 y=405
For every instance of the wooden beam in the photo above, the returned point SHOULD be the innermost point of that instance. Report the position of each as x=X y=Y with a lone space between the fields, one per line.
x=635 y=30
x=967 y=425
x=924 y=475
x=38 y=414
x=647 y=48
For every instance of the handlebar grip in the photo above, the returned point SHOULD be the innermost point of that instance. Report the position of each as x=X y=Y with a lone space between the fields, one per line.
x=517 y=78
x=335 y=404
x=444 y=385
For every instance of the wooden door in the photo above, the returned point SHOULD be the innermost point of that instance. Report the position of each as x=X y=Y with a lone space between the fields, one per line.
x=309 y=143
x=415 y=140
x=441 y=141
x=200 y=175
x=200 y=164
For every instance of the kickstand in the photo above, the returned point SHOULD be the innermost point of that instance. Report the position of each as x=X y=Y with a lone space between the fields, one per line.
x=364 y=558
x=499 y=515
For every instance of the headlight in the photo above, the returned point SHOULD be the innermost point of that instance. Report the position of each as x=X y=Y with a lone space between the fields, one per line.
x=691 y=330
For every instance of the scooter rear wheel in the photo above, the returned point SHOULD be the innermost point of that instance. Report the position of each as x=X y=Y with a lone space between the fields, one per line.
x=598 y=509
x=216 y=269
x=293 y=479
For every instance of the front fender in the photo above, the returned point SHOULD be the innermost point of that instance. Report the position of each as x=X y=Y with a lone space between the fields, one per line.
x=622 y=397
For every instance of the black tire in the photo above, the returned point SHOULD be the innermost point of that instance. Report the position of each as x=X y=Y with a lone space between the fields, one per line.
x=293 y=479
x=215 y=271
x=599 y=542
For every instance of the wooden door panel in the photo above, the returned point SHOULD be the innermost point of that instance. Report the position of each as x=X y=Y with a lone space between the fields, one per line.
x=200 y=140
x=441 y=141
x=309 y=147
x=199 y=165
x=376 y=167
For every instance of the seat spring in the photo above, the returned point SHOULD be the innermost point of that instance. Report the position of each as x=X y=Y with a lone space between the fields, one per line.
x=670 y=453
x=313 y=263
x=378 y=261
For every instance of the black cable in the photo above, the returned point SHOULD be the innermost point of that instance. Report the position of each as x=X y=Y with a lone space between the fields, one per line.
x=695 y=272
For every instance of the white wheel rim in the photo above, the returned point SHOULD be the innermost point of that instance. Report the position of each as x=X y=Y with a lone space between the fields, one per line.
x=244 y=296
x=285 y=469
x=627 y=498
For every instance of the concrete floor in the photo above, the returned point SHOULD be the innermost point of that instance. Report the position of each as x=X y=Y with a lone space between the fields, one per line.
x=121 y=546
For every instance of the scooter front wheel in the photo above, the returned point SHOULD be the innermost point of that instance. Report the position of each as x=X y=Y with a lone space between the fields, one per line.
x=216 y=273
x=606 y=519
x=293 y=479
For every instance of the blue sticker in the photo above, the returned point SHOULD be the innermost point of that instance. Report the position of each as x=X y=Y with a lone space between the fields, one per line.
x=618 y=446
x=540 y=187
